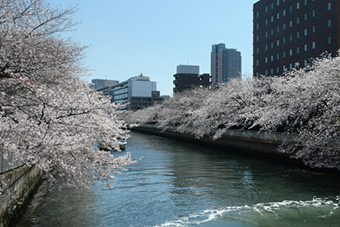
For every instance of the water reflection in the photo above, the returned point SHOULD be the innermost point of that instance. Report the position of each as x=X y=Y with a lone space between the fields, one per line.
x=67 y=207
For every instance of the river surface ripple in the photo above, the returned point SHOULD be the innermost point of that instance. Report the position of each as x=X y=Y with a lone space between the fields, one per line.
x=180 y=184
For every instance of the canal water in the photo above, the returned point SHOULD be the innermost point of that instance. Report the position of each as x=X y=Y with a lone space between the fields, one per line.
x=180 y=184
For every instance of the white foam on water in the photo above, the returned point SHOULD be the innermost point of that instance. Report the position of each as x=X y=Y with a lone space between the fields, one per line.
x=251 y=215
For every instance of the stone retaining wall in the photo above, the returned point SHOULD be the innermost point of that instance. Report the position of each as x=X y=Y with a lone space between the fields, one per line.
x=23 y=180
x=246 y=141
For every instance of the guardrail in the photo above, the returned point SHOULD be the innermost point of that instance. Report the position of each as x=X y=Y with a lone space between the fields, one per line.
x=8 y=161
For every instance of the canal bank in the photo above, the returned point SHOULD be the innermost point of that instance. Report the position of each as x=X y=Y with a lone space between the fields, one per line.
x=23 y=181
x=254 y=143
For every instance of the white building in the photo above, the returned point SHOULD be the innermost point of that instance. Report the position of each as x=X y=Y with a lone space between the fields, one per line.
x=138 y=92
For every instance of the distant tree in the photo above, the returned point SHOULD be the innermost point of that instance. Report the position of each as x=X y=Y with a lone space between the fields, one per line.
x=48 y=116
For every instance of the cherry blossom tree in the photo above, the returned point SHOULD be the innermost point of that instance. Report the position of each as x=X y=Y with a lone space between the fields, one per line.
x=309 y=106
x=304 y=102
x=49 y=117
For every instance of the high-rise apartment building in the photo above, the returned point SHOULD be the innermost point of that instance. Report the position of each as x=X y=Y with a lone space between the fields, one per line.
x=290 y=33
x=225 y=63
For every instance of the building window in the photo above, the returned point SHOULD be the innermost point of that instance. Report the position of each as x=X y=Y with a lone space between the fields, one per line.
x=305 y=16
x=290 y=23
x=313 y=28
x=272 y=5
x=305 y=32
x=291 y=9
x=283 y=68
x=313 y=45
x=290 y=52
x=284 y=26
x=305 y=63
x=305 y=2
x=271 y=58
x=277 y=42
x=271 y=32
x=329 y=39
x=257 y=14
x=266 y=21
x=329 y=6
x=284 y=13
x=329 y=23
x=266 y=47
x=278 y=16
x=271 y=19
x=257 y=26
x=266 y=9
x=271 y=45
x=266 y=34
x=298 y=50
x=298 y=20
x=313 y=13
x=266 y=60
x=277 y=69
x=284 y=54
x=278 y=2
x=277 y=56
x=290 y=66
x=271 y=71
x=284 y=40
x=257 y=62
x=278 y=29
x=257 y=38
x=305 y=47
x=297 y=35
x=291 y=38
x=298 y=5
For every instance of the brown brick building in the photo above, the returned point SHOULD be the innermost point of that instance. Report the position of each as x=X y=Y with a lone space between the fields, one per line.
x=289 y=33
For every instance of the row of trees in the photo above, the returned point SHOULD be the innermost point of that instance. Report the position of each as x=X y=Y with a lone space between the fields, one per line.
x=49 y=117
x=305 y=102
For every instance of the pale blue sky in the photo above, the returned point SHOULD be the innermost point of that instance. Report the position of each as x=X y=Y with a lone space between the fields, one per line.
x=129 y=37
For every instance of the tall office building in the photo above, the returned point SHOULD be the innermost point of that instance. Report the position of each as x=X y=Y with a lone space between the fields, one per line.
x=188 y=76
x=290 y=33
x=225 y=63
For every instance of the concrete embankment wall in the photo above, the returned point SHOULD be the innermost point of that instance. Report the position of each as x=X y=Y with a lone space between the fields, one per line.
x=245 y=141
x=23 y=181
